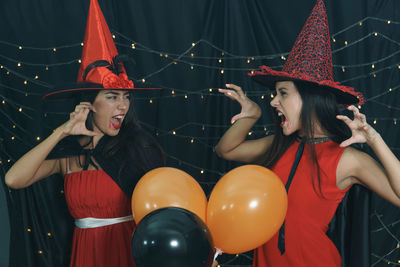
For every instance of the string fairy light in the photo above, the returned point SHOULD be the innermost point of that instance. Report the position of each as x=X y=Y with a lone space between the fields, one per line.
x=179 y=57
x=220 y=174
x=134 y=44
x=189 y=56
x=385 y=257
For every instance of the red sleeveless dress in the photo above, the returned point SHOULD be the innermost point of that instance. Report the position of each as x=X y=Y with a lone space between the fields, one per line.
x=92 y=193
x=308 y=214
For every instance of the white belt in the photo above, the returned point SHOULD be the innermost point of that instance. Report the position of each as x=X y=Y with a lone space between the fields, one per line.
x=90 y=222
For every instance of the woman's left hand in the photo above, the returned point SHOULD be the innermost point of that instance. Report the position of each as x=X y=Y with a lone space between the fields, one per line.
x=361 y=131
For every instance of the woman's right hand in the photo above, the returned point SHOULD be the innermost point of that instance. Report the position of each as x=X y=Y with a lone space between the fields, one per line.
x=249 y=108
x=77 y=119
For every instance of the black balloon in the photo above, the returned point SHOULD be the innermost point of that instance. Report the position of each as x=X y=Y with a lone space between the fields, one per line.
x=172 y=237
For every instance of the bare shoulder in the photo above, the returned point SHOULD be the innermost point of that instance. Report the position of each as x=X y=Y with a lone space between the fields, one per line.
x=352 y=157
x=354 y=166
x=350 y=153
x=349 y=166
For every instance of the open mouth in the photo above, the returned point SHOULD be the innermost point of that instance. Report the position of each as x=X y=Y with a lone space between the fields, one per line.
x=116 y=121
x=283 y=118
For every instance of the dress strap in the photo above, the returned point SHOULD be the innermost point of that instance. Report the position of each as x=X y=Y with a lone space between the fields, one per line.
x=67 y=165
x=281 y=236
x=91 y=222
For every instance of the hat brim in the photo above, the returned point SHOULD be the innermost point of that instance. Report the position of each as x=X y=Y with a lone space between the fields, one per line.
x=72 y=91
x=345 y=95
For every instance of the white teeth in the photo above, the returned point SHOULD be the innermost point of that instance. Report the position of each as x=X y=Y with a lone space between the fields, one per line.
x=280 y=114
x=118 y=117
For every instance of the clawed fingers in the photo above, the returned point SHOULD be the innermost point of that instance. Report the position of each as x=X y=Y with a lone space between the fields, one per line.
x=362 y=117
x=355 y=110
x=345 y=119
x=235 y=92
x=229 y=93
x=235 y=118
x=238 y=89
x=84 y=106
x=80 y=108
x=357 y=114
x=346 y=143
x=81 y=111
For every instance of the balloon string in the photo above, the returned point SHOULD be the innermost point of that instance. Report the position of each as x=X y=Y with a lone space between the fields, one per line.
x=217 y=252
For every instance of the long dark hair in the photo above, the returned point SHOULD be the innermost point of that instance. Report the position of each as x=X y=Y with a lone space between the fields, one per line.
x=132 y=141
x=320 y=106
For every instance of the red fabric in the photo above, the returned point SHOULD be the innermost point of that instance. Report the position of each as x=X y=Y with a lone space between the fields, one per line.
x=93 y=193
x=310 y=58
x=311 y=53
x=112 y=80
x=308 y=214
x=98 y=45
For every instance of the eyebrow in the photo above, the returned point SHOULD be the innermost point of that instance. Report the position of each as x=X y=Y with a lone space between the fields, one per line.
x=116 y=93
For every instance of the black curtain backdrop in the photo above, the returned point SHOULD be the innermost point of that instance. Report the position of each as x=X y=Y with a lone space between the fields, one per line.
x=190 y=48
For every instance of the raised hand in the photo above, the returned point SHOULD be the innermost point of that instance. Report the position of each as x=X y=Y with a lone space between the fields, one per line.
x=77 y=118
x=249 y=108
x=361 y=131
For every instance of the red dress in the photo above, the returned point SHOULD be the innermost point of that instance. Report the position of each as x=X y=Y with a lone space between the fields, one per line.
x=308 y=213
x=92 y=193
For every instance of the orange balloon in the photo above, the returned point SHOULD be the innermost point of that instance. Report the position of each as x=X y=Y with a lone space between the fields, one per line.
x=246 y=208
x=167 y=187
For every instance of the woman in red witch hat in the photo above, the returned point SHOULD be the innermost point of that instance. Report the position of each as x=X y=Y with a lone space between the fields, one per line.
x=101 y=151
x=310 y=148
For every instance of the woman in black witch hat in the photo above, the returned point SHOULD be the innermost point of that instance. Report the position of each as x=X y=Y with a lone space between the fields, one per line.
x=101 y=151
x=310 y=148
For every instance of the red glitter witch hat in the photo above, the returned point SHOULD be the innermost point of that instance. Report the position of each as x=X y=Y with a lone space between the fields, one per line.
x=100 y=68
x=310 y=60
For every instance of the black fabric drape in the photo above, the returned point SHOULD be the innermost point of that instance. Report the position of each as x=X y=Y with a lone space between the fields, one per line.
x=246 y=31
x=40 y=225
x=349 y=228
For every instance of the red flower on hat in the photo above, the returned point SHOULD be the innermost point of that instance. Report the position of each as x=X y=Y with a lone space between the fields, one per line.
x=112 y=80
